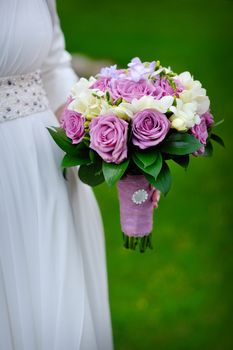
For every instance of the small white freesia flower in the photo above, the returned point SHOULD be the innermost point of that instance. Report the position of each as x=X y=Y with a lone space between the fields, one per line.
x=185 y=115
x=193 y=91
x=122 y=111
x=145 y=102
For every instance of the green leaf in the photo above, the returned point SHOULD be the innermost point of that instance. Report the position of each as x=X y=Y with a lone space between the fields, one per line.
x=91 y=174
x=180 y=144
x=59 y=136
x=217 y=139
x=113 y=172
x=163 y=181
x=218 y=123
x=152 y=169
x=70 y=160
x=208 y=149
x=94 y=157
x=183 y=161
x=147 y=157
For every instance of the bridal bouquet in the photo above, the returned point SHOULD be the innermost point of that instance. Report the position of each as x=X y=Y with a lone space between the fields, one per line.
x=124 y=125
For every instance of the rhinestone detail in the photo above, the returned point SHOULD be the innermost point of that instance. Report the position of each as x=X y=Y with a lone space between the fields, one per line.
x=21 y=96
x=139 y=196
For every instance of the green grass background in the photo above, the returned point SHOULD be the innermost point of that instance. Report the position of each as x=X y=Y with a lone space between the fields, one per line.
x=178 y=296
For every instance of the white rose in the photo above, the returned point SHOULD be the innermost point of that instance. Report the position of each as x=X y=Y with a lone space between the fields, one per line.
x=184 y=116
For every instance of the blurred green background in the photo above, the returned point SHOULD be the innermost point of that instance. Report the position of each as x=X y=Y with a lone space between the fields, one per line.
x=179 y=295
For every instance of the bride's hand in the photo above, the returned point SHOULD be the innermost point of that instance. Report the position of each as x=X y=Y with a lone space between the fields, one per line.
x=155 y=197
x=59 y=112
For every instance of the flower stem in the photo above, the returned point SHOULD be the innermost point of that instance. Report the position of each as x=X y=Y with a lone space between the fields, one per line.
x=131 y=243
x=127 y=242
x=143 y=243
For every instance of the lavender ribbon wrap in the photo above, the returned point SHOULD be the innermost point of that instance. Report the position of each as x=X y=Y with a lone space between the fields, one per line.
x=136 y=219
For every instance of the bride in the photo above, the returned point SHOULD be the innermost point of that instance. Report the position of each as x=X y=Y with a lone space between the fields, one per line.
x=53 y=284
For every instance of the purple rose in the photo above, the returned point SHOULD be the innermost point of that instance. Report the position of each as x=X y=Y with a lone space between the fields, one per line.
x=209 y=119
x=101 y=84
x=73 y=124
x=162 y=88
x=128 y=89
x=200 y=131
x=109 y=138
x=149 y=128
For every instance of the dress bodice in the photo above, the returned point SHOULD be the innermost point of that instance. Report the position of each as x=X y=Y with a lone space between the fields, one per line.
x=25 y=36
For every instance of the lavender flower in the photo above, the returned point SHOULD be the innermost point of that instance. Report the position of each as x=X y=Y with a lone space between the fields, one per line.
x=112 y=72
x=139 y=70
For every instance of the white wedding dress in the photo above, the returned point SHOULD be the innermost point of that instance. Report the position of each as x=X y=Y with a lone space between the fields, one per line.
x=53 y=284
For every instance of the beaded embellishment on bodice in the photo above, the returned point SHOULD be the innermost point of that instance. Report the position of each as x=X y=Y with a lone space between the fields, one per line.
x=21 y=96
